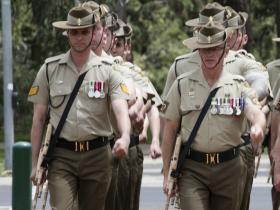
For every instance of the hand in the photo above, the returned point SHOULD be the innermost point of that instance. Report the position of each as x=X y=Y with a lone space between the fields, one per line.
x=256 y=134
x=138 y=124
x=34 y=176
x=143 y=138
x=155 y=150
x=132 y=112
x=167 y=191
x=120 y=148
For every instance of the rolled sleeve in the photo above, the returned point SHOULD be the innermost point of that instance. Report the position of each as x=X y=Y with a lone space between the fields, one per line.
x=39 y=91
x=172 y=102
x=118 y=88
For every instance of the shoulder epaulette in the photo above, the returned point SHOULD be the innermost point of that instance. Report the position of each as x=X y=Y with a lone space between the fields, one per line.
x=118 y=59
x=107 y=61
x=244 y=53
x=239 y=78
x=185 y=56
x=54 y=58
x=184 y=75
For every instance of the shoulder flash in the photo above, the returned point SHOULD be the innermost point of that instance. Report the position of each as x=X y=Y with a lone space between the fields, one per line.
x=55 y=58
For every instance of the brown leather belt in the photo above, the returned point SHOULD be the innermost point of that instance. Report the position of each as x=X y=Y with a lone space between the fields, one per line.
x=82 y=146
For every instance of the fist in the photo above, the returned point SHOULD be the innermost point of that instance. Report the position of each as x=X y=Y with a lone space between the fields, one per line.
x=256 y=134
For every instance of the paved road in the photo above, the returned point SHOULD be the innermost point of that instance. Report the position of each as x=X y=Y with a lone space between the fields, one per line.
x=152 y=197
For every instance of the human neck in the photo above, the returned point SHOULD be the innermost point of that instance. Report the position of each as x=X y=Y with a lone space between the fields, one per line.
x=80 y=58
x=98 y=51
x=212 y=75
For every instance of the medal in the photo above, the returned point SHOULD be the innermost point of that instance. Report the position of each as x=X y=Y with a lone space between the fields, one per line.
x=90 y=89
x=213 y=107
x=230 y=110
x=102 y=93
x=222 y=110
x=238 y=111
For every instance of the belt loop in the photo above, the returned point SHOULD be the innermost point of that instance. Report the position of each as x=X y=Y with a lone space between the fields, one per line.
x=87 y=146
x=76 y=146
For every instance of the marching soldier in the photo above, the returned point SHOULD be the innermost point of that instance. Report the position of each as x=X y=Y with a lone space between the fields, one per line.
x=131 y=168
x=274 y=77
x=239 y=62
x=206 y=180
x=81 y=163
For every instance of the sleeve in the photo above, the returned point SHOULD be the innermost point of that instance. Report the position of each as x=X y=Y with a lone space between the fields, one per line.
x=249 y=96
x=169 y=81
x=39 y=91
x=117 y=86
x=172 y=103
x=276 y=102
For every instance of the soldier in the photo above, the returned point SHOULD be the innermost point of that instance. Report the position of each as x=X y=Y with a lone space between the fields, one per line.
x=131 y=168
x=206 y=180
x=81 y=163
x=239 y=62
x=274 y=77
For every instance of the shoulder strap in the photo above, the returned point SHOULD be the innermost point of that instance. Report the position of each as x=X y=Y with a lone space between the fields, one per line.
x=190 y=140
x=62 y=120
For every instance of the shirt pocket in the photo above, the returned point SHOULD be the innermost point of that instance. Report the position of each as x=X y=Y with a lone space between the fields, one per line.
x=58 y=94
x=190 y=110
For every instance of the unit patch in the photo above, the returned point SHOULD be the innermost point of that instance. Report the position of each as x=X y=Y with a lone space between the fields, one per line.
x=124 y=88
x=33 y=91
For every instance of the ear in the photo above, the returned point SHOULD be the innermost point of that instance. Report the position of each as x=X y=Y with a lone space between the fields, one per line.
x=245 y=39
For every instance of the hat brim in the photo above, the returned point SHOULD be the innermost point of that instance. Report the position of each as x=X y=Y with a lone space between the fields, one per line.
x=192 y=22
x=64 y=25
x=244 y=18
x=277 y=39
x=192 y=43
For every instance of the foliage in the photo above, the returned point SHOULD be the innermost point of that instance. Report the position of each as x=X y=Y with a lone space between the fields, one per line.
x=158 y=33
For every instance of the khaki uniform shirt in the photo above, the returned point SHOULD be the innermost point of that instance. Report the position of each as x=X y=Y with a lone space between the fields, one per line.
x=273 y=69
x=218 y=131
x=88 y=117
x=236 y=62
x=133 y=72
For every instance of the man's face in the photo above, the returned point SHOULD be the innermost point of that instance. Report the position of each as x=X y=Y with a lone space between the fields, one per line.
x=97 y=36
x=213 y=56
x=119 y=47
x=235 y=41
x=108 y=40
x=80 y=39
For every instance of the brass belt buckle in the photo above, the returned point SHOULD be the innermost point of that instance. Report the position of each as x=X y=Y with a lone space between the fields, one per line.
x=212 y=158
x=81 y=146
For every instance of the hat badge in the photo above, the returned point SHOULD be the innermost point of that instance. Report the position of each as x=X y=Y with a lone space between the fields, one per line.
x=79 y=21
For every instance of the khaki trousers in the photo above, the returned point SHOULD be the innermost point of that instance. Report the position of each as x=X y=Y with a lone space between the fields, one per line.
x=82 y=175
x=248 y=156
x=206 y=187
x=129 y=180
x=111 y=203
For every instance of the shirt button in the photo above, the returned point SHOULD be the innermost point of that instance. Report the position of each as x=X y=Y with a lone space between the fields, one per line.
x=197 y=106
